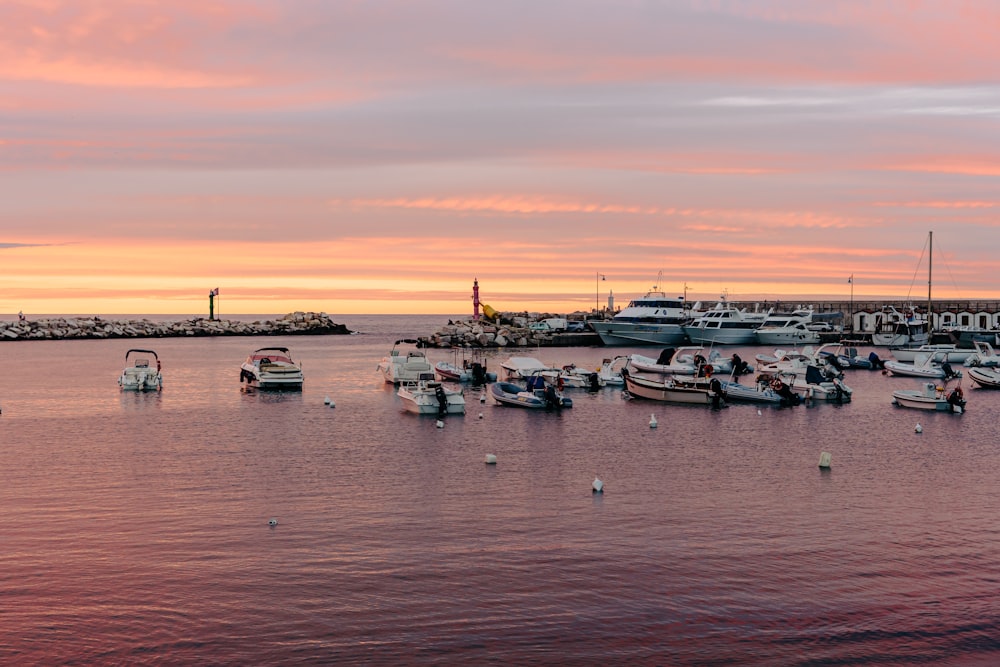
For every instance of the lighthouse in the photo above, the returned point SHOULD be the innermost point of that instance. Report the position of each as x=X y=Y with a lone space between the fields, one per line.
x=475 y=299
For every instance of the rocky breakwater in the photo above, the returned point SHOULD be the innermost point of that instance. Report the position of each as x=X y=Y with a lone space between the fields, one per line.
x=59 y=328
x=510 y=331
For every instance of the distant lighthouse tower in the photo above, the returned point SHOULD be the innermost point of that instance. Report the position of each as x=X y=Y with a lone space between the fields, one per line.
x=475 y=299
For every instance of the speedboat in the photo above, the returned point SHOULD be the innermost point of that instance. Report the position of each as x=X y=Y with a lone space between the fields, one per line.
x=572 y=376
x=725 y=325
x=763 y=390
x=673 y=390
x=653 y=319
x=427 y=396
x=536 y=396
x=814 y=385
x=271 y=368
x=985 y=376
x=784 y=328
x=404 y=365
x=611 y=370
x=930 y=397
x=139 y=374
x=925 y=365
x=471 y=370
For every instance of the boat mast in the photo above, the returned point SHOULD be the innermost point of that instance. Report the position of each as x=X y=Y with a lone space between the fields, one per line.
x=930 y=263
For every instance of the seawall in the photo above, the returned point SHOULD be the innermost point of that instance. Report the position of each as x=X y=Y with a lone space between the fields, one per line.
x=297 y=323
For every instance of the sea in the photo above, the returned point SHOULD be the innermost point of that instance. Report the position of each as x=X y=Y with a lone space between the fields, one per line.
x=202 y=525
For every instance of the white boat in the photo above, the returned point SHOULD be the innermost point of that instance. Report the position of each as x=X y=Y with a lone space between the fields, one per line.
x=983 y=356
x=670 y=390
x=404 y=365
x=792 y=362
x=895 y=328
x=949 y=352
x=538 y=396
x=427 y=396
x=784 y=328
x=985 y=377
x=653 y=319
x=930 y=397
x=686 y=360
x=725 y=325
x=271 y=368
x=520 y=368
x=927 y=365
x=611 y=371
x=142 y=371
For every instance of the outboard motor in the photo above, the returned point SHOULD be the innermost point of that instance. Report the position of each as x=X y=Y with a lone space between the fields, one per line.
x=595 y=382
x=551 y=398
x=949 y=372
x=788 y=396
x=442 y=400
x=875 y=361
x=478 y=373
x=717 y=393
x=956 y=401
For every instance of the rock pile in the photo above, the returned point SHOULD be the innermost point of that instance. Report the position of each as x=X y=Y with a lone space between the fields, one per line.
x=511 y=330
x=297 y=323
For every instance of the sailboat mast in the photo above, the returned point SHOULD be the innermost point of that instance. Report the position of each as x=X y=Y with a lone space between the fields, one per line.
x=930 y=264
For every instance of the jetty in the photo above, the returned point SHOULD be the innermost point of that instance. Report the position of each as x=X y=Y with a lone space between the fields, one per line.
x=59 y=328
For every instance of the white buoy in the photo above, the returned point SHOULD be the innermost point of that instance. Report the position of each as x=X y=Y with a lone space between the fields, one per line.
x=918 y=429
x=652 y=421
x=326 y=401
x=480 y=415
x=758 y=412
x=824 y=460
x=598 y=485
x=491 y=459
x=440 y=424
x=272 y=522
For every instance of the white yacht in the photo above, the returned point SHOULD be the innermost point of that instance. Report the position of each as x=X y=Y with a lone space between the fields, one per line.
x=726 y=325
x=786 y=328
x=653 y=319
x=895 y=328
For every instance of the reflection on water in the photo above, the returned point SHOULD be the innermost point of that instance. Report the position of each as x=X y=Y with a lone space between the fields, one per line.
x=136 y=525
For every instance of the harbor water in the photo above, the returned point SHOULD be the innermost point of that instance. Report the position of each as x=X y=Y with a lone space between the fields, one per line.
x=138 y=527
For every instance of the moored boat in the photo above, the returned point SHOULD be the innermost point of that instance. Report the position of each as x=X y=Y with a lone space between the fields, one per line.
x=427 y=396
x=725 y=325
x=653 y=319
x=926 y=365
x=271 y=368
x=536 y=396
x=141 y=374
x=404 y=364
x=670 y=390
x=985 y=376
x=930 y=397
x=787 y=328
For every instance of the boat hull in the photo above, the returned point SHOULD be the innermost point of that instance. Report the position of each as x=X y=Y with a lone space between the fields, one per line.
x=711 y=336
x=916 y=399
x=424 y=400
x=630 y=333
x=987 y=378
x=669 y=391
x=140 y=381
x=505 y=393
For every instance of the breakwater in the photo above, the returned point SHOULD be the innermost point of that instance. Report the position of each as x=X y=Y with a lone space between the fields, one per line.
x=511 y=331
x=59 y=328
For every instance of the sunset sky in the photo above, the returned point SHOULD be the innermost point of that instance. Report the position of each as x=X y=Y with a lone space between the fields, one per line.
x=376 y=157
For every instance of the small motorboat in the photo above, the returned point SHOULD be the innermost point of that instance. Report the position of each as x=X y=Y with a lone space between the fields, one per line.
x=471 y=370
x=985 y=377
x=142 y=371
x=766 y=389
x=984 y=355
x=271 y=368
x=427 y=396
x=537 y=395
x=689 y=360
x=930 y=397
x=672 y=390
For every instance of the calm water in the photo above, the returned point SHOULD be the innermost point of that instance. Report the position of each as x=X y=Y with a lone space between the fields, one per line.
x=136 y=526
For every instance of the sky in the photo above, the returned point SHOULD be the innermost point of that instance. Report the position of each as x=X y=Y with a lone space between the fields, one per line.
x=377 y=157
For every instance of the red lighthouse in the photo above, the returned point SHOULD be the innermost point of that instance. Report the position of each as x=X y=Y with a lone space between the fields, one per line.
x=475 y=299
